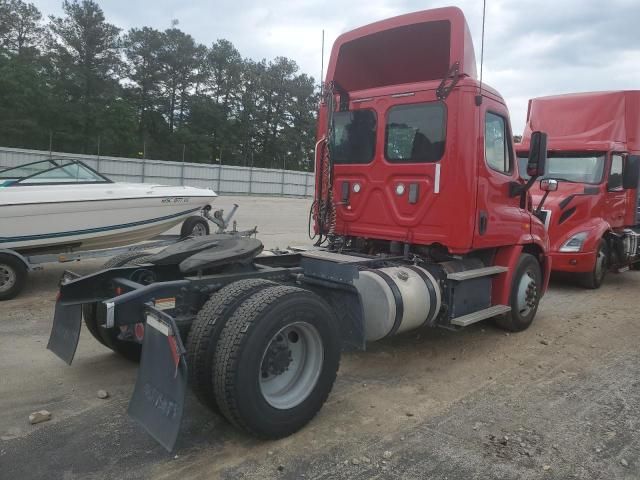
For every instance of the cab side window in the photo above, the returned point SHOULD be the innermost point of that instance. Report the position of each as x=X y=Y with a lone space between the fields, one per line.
x=496 y=146
x=615 y=174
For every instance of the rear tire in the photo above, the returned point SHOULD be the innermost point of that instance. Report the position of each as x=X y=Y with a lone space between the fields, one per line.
x=593 y=279
x=276 y=361
x=194 y=226
x=524 y=298
x=109 y=337
x=13 y=276
x=205 y=333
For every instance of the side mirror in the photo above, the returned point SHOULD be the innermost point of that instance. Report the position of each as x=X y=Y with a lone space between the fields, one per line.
x=548 y=185
x=631 y=173
x=537 y=154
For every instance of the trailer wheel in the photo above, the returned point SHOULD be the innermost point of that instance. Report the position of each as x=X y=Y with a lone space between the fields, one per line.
x=194 y=226
x=13 y=276
x=109 y=337
x=276 y=361
x=593 y=279
x=205 y=332
x=525 y=295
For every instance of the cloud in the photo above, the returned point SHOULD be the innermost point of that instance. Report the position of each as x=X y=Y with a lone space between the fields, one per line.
x=532 y=47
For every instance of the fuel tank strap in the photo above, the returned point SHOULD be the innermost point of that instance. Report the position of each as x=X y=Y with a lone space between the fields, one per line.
x=397 y=296
x=433 y=299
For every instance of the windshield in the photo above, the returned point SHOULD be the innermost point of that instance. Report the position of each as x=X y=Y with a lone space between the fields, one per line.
x=354 y=136
x=15 y=173
x=569 y=167
x=51 y=172
x=73 y=172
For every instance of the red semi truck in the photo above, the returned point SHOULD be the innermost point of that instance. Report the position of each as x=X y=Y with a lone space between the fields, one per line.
x=593 y=217
x=421 y=220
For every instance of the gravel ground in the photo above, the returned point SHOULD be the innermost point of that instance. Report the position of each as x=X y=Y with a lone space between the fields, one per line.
x=560 y=400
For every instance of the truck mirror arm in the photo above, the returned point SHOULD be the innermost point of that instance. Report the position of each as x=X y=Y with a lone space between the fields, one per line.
x=538 y=209
x=516 y=188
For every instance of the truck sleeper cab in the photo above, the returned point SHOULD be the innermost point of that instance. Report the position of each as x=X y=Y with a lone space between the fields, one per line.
x=593 y=217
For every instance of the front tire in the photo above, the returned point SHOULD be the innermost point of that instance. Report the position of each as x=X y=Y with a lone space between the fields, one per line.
x=593 y=279
x=276 y=361
x=13 y=276
x=526 y=289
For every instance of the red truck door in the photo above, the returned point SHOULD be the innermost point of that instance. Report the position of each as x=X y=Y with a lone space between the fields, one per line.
x=500 y=220
x=615 y=202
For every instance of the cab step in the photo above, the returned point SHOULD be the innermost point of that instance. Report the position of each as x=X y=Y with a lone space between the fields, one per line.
x=476 y=273
x=474 y=317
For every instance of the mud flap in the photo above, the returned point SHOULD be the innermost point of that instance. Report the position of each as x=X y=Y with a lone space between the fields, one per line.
x=65 y=331
x=158 y=397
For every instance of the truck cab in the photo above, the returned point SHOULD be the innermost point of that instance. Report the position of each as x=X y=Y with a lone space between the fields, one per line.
x=415 y=153
x=593 y=217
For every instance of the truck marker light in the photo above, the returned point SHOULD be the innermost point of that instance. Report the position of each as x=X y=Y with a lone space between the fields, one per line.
x=400 y=189
x=356 y=188
x=138 y=331
x=574 y=244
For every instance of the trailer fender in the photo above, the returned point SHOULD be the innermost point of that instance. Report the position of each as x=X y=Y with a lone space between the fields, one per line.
x=20 y=257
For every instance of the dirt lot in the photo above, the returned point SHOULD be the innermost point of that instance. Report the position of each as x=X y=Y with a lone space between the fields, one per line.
x=560 y=400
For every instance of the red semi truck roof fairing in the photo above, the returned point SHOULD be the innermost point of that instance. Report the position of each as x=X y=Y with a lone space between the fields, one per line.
x=412 y=48
x=593 y=120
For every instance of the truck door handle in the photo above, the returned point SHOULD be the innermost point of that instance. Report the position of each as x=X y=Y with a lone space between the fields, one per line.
x=482 y=224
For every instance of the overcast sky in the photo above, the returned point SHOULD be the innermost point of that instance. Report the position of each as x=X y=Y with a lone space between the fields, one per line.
x=532 y=47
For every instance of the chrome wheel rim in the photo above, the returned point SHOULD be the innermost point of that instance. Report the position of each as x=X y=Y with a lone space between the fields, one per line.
x=199 y=230
x=291 y=365
x=527 y=294
x=7 y=277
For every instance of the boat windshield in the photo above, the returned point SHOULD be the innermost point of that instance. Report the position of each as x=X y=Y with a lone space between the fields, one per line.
x=51 y=172
x=569 y=167
x=16 y=173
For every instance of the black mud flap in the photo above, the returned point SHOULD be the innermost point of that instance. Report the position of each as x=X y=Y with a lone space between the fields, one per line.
x=65 y=332
x=158 y=397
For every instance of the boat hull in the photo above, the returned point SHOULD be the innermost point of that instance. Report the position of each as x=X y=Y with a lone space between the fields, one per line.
x=91 y=224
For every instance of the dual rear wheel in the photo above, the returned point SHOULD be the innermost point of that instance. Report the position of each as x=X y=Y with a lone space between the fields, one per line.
x=264 y=355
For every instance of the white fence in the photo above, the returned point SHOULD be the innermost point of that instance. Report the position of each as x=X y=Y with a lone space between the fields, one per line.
x=224 y=179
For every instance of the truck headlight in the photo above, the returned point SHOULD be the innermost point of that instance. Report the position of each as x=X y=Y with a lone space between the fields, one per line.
x=574 y=244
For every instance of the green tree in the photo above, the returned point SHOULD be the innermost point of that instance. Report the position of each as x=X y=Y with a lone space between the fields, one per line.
x=143 y=49
x=181 y=58
x=161 y=89
x=86 y=64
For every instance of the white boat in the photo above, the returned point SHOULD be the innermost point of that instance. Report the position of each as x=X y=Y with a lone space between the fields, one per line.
x=54 y=204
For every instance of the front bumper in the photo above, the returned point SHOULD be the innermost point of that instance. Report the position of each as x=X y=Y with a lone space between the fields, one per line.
x=573 y=262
